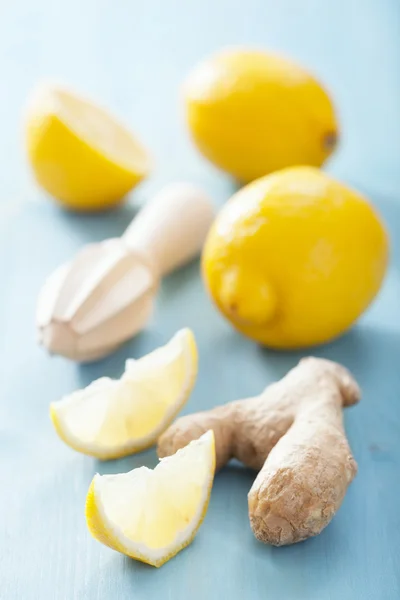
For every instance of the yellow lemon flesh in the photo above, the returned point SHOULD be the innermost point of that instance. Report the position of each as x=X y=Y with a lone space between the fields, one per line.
x=79 y=153
x=114 y=418
x=251 y=113
x=152 y=515
x=294 y=258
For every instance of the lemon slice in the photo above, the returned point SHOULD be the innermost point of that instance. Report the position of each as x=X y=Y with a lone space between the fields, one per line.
x=113 y=418
x=150 y=515
x=80 y=153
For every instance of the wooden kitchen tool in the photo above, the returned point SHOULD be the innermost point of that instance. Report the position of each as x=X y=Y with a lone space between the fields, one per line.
x=90 y=306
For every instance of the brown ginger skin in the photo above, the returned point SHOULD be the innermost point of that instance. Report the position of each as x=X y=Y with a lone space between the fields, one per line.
x=293 y=435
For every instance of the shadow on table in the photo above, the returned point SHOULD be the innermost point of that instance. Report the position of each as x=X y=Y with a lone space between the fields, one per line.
x=94 y=227
x=113 y=365
x=146 y=458
x=365 y=350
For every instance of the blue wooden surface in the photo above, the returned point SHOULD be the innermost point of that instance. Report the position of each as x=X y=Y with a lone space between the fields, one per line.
x=132 y=55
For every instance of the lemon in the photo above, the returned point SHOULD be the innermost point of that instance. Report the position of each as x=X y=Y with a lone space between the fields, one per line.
x=294 y=258
x=251 y=113
x=151 y=515
x=113 y=418
x=79 y=153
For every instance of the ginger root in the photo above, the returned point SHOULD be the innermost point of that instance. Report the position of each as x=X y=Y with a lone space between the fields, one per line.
x=293 y=434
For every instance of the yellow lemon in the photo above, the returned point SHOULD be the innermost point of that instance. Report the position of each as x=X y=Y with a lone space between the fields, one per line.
x=151 y=515
x=114 y=417
x=251 y=113
x=79 y=153
x=294 y=258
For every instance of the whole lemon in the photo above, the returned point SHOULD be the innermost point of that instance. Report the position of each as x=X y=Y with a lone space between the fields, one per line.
x=79 y=153
x=251 y=113
x=294 y=258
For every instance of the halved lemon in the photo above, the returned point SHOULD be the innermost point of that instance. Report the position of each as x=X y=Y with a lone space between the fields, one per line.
x=79 y=153
x=150 y=515
x=114 y=418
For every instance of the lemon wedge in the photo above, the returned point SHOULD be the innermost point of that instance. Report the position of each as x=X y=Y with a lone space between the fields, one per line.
x=150 y=515
x=79 y=153
x=114 y=418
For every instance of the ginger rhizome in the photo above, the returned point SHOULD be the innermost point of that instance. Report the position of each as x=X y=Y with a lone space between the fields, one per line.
x=293 y=435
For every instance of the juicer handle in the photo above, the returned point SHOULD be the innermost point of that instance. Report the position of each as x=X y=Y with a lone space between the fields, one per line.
x=171 y=229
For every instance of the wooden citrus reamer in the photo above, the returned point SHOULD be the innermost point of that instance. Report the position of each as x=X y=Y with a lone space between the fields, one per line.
x=105 y=295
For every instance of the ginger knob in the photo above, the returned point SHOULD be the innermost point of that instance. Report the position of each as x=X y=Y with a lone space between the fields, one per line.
x=293 y=435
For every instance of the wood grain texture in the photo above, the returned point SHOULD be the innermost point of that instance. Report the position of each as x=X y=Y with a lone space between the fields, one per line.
x=133 y=55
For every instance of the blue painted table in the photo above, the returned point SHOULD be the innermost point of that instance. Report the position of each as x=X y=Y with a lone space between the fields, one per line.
x=133 y=55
